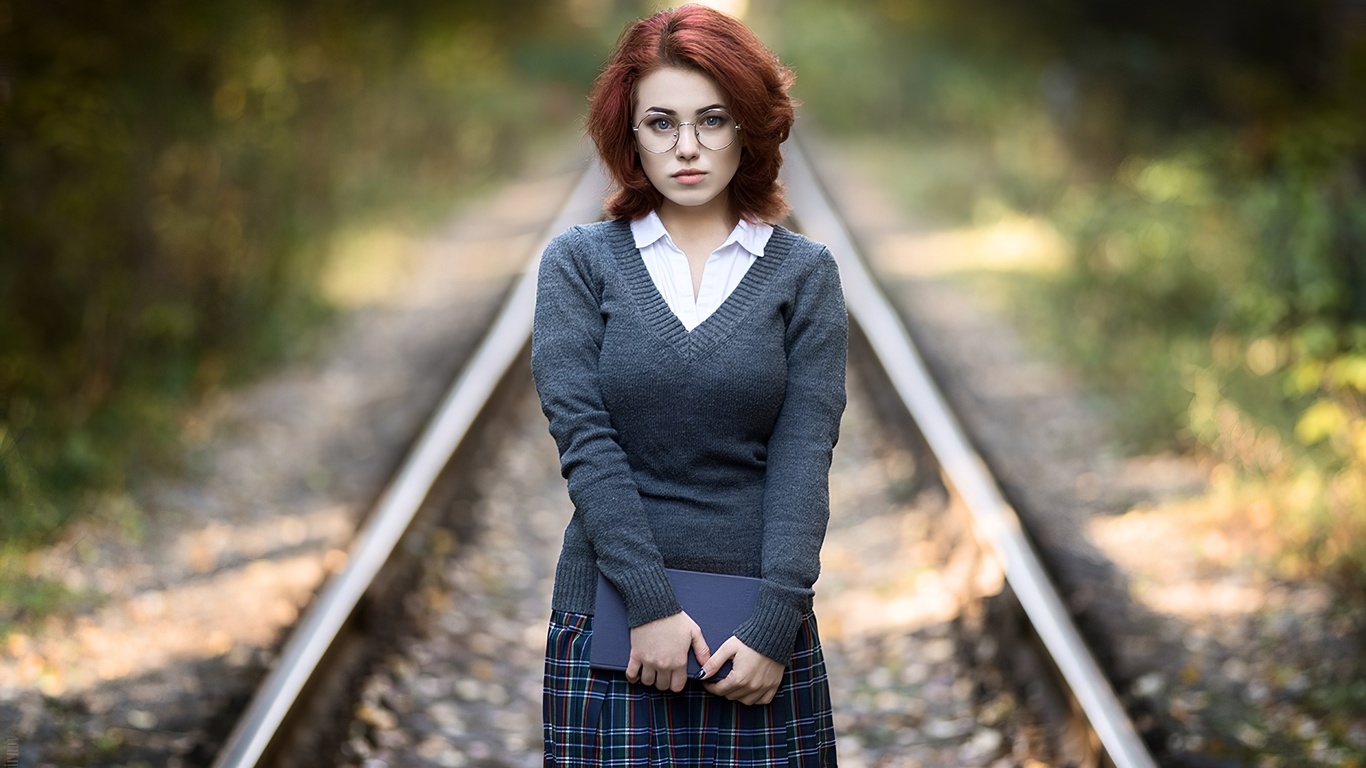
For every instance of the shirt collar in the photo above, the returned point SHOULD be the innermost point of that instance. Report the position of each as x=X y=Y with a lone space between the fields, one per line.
x=648 y=229
x=750 y=236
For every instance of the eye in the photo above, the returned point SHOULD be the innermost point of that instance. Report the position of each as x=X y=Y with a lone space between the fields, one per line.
x=714 y=120
x=660 y=124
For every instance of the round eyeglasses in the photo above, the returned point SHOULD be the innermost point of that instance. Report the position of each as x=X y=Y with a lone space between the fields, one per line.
x=714 y=130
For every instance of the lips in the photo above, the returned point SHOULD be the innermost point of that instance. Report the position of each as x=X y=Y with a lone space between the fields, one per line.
x=689 y=176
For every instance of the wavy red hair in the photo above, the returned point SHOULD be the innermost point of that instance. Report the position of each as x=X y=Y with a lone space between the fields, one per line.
x=749 y=74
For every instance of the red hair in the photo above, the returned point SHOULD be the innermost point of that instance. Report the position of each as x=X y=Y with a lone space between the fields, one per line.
x=748 y=73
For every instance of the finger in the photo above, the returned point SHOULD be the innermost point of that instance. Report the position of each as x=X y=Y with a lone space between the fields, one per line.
x=753 y=697
x=742 y=696
x=768 y=693
x=679 y=679
x=730 y=687
x=729 y=669
x=647 y=675
x=633 y=670
x=699 y=647
x=718 y=659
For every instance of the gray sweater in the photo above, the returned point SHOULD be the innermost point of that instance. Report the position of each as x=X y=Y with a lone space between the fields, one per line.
x=706 y=450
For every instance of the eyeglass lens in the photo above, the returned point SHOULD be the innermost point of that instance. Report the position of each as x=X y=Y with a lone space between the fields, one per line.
x=714 y=130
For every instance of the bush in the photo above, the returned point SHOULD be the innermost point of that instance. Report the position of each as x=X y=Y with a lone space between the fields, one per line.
x=171 y=174
x=1207 y=173
x=1229 y=311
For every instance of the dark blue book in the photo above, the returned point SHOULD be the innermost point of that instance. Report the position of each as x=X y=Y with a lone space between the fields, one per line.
x=718 y=602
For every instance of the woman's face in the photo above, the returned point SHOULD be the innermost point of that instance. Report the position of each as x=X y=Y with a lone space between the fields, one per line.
x=689 y=174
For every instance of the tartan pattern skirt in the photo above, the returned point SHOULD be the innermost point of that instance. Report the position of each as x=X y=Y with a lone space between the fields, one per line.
x=598 y=718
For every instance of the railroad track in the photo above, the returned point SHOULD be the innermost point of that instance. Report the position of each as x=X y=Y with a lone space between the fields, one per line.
x=920 y=676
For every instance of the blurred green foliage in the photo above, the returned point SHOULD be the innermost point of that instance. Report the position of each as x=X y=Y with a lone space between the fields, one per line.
x=1205 y=163
x=172 y=171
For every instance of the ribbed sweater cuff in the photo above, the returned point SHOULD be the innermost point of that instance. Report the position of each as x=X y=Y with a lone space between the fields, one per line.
x=648 y=595
x=772 y=628
x=576 y=583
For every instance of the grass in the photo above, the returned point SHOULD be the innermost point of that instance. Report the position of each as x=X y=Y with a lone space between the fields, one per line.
x=30 y=600
x=1176 y=375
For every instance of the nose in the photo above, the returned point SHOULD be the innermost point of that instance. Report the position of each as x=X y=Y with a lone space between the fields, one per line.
x=688 y=145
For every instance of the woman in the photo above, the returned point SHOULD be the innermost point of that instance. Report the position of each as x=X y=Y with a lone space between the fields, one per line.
x=690 y=358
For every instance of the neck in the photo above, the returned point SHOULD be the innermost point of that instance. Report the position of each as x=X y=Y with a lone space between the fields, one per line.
x=695 y=221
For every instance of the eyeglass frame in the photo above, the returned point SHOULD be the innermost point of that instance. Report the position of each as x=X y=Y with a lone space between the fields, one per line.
x=678 y=133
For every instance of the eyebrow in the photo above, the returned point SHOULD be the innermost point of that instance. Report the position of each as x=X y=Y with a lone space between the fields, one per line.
x=666 y=111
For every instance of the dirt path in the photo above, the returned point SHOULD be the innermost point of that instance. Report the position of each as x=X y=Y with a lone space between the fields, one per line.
x=197 y=577
x=1221 y=664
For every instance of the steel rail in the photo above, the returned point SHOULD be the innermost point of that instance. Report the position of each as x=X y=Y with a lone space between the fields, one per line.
x=400 y=501
x=961 y=465
x=501 y=347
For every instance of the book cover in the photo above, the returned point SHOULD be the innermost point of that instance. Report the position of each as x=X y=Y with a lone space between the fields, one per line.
x=718 y=602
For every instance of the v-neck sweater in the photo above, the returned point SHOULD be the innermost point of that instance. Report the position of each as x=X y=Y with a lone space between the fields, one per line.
x=672 y=275
x=706 y=450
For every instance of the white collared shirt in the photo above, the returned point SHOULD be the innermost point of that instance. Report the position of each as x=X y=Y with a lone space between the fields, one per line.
x=725 y=267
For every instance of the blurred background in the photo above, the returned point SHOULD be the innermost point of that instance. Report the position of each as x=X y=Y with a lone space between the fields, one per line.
x=186 y=190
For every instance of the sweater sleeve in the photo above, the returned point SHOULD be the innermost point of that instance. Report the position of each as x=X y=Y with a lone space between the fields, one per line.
x=796 y=503
x=566 y=340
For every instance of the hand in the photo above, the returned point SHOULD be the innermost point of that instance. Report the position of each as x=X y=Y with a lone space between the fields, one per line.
x=659 y=652
x=753 y=678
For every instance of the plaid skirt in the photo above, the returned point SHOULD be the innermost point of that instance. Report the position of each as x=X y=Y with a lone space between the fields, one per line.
x=599 y=718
